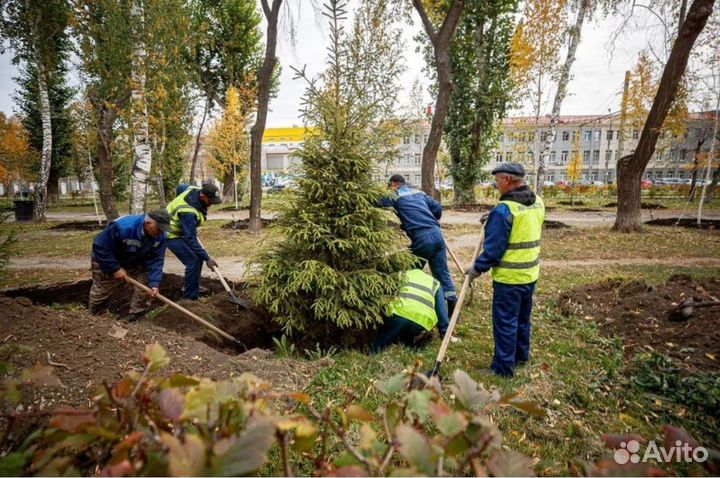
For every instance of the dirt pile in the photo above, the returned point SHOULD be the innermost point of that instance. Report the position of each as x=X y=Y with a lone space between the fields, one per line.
x=645 y=205
x=638 y=313
x=244 y=224
x=690 y=223
x=79 y=226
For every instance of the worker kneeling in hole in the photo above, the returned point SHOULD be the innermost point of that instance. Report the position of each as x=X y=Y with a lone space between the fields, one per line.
x=135 y=246
x=188 y=211
x=419 y=307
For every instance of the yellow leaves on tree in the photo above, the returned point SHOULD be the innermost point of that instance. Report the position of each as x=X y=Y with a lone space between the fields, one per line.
x=16 y=156
x=229 y=138
x=575 y=165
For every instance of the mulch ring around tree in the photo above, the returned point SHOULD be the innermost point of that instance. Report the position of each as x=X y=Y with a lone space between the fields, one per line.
x=244 y=224
x=639 y=313
x=79 y=226
x=645 y=205
x=50 y=324
x=689 y=223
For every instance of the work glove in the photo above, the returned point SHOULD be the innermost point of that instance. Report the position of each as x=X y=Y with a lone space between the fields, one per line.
x=484 y=217
x=473 y=273
x=120 y=274
x=211 y=263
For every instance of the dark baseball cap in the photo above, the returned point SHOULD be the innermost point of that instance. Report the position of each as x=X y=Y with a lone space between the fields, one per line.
x=514 y=169
x=211 y=192
x=396 y=178
x=161 y=218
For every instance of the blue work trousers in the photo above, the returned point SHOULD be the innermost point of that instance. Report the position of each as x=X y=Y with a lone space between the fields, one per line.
x=430 y=245
x=511 y=309
x=394 y=330
x=193 y=267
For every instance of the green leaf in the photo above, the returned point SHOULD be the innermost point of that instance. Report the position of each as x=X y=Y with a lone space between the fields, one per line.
x=197 y=401
x=305 y=435
x=468 y=392
x=249 y=452
x=178 y=380
x=419 y=403
x=451 y=424
x=510 y=463
x=528 y=406
x=156 y=357
x=186 y=458
x=392 y=385
x=13 y=464
x=416 y=449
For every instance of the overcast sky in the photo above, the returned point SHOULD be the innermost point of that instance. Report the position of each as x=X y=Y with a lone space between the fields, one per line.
x=595 y=88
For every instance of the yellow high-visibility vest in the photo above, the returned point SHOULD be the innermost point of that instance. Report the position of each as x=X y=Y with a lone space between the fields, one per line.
x=416 y=300
x=180 y=205
x=521 y=262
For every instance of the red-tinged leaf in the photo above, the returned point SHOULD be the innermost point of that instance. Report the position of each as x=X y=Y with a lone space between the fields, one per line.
x=674 y=435
x=124 y=468
x=130 y=441
x=510 y=463
x=614 y=441
x=356 y=412
x=299 y=397
x=609 y=467
x=122 y=389
x=352 y=470
x=416 y=449
x=249 y=452
x=439 y=409
x=172 y=403
x=73 y=420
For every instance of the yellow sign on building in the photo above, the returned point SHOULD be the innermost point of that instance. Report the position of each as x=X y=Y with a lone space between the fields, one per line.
x=285 y=135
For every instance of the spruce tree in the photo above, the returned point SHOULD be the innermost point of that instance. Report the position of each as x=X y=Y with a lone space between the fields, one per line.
x=335 y=260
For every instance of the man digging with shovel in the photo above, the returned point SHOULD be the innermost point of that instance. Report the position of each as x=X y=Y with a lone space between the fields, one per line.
x=135 y=246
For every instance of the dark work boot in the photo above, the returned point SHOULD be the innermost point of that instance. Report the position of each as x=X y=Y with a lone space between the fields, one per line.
x=451 y=303
x=134 y=317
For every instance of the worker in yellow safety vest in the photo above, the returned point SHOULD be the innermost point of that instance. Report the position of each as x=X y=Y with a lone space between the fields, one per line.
x=511 y=252
x=419 y=307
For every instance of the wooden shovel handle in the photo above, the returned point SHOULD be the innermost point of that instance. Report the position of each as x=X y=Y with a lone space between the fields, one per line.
x=216 y=270
x=454 y=258
x=456 y=312
x=182 y=309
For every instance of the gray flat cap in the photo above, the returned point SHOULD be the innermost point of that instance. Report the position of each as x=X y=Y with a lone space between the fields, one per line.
x=515 y=169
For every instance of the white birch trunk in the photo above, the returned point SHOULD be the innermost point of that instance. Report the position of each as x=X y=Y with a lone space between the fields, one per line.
x=142 y=157
x=46 y=157
x=560 y=95
x=711 y=160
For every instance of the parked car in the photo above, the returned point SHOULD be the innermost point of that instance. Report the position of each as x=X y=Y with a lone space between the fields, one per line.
x=645 y=184
x=669 y=181
x=597 y=183
x=548 y=183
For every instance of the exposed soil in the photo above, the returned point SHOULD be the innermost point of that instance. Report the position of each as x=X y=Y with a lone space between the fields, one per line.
x=690 y=223
x=98 y=349
x=471 y=207
x=645 y=205
x=243 y=224
x=572 y=203
x=585 y=209
x=550 y=224
x=78 y=226
x=638 y=312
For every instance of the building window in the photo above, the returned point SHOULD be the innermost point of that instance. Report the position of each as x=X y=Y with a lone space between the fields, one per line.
x=596 y=157
x=586 y=156
x=636 y=134
x=508 y=156
x=543 y=136
x=530 y=157
x=552 y=157
x=417 y=179
x=406 y=139
x=564 y=157
x=609 y=135
x=498 y=157
x=596 y=135
x=502 y=136
x=417 y=159
x=587 y=135
x=671 y=174
x=683 y=155
x=531 y=136
x=566 y=135
x=608 y=156
x=417 y=138
x=425 y=138
x=576 y=135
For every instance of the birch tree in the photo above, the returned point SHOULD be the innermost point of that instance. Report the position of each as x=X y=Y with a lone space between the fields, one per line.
x=36 y=32
x=142 y=154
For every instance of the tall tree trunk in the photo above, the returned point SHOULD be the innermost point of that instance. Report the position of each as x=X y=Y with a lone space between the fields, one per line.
x=575 y=34
x=440 y=41
x=696 y=163
x=53 y=187
x=630 y=168
x=193 y=165
x=623 y=119
x=46 y=157
x=106 y=136
x=229 y=188
x=258 y=129
x=142 y=157
x=711 y=160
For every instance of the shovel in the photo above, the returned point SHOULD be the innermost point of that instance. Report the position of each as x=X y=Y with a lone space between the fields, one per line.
x=246 y=304
x=454 y=258
x=451 y=327
x=186 y=312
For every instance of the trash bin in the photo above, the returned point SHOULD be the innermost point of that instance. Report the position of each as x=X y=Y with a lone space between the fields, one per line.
x=24 y=209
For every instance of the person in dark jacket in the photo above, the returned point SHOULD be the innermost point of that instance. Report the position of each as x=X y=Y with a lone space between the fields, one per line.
x=420 y=219
x=420 y=307
x=131 y=246
x=188 y=211
x=511 y=251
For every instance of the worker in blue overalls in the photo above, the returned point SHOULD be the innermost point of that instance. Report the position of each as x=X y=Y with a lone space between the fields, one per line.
x=420 y=219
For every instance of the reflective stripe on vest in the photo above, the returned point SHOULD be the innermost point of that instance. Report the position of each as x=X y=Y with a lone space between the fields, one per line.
x=416 y=300
x=521 y=262
x=180 y=206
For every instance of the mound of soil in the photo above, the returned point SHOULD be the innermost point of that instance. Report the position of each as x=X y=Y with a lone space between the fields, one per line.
x=571 y=203
x=550 y=224
x=585 y=209
x=690 y=223
x=243 y=224
x=78 y=226
x=645 y=205
x=638 y=312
